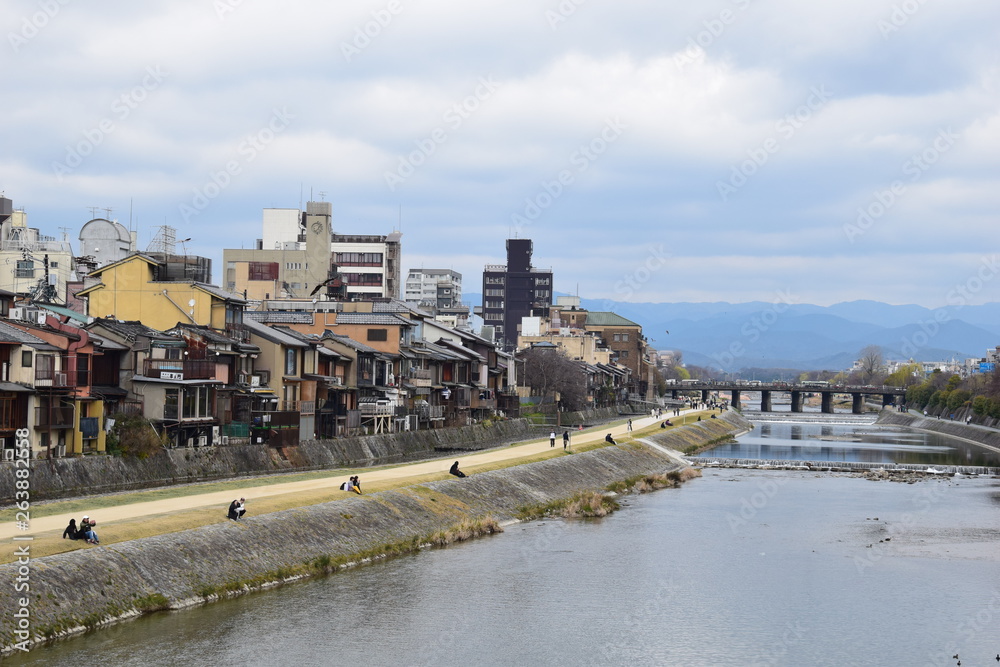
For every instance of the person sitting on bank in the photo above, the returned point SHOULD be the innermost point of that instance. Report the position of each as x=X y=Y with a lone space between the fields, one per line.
x=237 y=509
x=455 y=471
x=609 y=439
x=348 y=485
x=71 y=531
x=86 y=531
x=356 y=485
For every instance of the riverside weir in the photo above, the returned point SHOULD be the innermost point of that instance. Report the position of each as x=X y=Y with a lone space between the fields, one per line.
x=76 y=591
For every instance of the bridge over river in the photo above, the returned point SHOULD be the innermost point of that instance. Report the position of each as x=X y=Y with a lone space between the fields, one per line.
x=890 y=395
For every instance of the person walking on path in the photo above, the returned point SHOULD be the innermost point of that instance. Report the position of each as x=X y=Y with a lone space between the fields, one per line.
x=565 y=439
x=552 y=439
x=629 y=425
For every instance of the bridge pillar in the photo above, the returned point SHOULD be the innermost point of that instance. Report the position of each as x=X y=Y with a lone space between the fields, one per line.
x=765 y=400
x=704 y=396
x=673 y=394
x=888 y=399
x=857 y=403
x=826 y=399
x=736 y=400
x=796 y=401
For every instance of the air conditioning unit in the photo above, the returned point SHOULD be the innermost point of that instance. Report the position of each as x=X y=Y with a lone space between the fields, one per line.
x=254 y=380
x=8 y=455
x=40 y=315
x=60 y=379
x=190 y=442
x=61 y=450
x=203 y=441
x=225 y=440
x=17 y=313
x=215 y=434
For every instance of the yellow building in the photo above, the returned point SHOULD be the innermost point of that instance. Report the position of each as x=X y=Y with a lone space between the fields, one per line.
x=144 y=288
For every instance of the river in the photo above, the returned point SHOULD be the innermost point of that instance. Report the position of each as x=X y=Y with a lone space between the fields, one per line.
x=740 y=567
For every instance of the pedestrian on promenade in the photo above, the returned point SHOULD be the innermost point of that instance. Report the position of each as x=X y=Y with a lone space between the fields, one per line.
x=565 y=439
x=629 y=425
x=552 y=439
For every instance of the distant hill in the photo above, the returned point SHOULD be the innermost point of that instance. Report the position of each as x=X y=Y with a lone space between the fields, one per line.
x=732 y=336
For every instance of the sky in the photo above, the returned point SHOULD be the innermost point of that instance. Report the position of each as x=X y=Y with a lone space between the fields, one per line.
x=732 y=150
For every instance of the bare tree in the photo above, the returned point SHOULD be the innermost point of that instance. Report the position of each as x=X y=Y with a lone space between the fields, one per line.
x=547 y=371
x=872 y=363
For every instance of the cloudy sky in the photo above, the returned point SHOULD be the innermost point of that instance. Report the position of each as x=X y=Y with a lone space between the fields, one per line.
x=730 y=150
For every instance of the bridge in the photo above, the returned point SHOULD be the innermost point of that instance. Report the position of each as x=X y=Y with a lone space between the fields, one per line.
x=890 y=395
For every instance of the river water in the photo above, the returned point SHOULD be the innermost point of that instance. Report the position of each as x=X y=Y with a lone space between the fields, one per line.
x=740 y=567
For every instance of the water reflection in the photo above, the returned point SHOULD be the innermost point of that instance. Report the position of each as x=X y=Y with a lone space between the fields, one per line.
x=815 y=441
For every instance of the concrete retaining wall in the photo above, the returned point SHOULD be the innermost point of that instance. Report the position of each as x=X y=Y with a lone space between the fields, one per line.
x=62 y=478
x=987 y=437
x=92 y=586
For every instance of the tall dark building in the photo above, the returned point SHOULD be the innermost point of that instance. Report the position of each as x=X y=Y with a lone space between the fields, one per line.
x=512 y=291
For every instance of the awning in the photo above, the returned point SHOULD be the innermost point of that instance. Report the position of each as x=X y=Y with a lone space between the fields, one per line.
x=13 y=386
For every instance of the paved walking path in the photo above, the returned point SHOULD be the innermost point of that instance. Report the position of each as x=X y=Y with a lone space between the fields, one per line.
x=221 y=499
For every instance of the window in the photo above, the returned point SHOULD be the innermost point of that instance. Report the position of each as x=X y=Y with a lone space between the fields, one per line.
x=53 y=265
x=359 y=259
x=618 y=338
x=623 y=354
x=263 y=271
x=378 y=334
x=25 y=268
x=290 y=361
x=26 y=359
x=625 y=338
x=170 y=403
x=293 y=266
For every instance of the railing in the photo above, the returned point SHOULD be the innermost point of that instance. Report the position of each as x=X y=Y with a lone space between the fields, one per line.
x=236 y=429
x=307 y=407
x=377 y=409
x=238 y=332
x=127 y=407
x=428 y=412
x=61 y=416
x=180 y=369
x=48 y=377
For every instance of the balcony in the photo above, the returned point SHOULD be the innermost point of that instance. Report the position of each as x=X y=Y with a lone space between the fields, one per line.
x=179 y=369
x=421 y=377
x=238 y=332
x=61 y=416
x=47 y=377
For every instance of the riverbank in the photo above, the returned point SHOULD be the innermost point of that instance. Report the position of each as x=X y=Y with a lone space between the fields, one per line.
x=988 y=438
x=83 y=589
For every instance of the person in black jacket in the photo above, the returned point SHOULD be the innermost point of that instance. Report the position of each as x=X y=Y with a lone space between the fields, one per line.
x=70 y=531
x=237 y=509
x=455 y=471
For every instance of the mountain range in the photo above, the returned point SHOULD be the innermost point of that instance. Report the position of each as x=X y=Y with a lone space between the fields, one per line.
x=757 y=334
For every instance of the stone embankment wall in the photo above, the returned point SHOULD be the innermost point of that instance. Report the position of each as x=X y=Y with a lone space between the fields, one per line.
x=987 y=437
x=85 y=588
x=62 y=478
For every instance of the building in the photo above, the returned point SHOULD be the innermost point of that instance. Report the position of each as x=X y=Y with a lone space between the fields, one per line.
x=299 y=256
x=32 y=264
x=512 y=291
x=106 y=241
x=161 y=291
x=438 y=292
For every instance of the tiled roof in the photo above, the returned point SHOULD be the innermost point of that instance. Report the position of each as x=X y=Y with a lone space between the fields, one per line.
x=349 y=342
x=11 y=334
x=276 y=316
x=132 y=329
x=383 y=319
x=273 y=335
x=605 y=319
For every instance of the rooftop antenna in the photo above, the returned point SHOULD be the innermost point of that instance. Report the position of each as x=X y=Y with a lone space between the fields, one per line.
x=108 y=211
x=93 y=210
x=65 y=231
x=129 y=214
x=322 y=194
